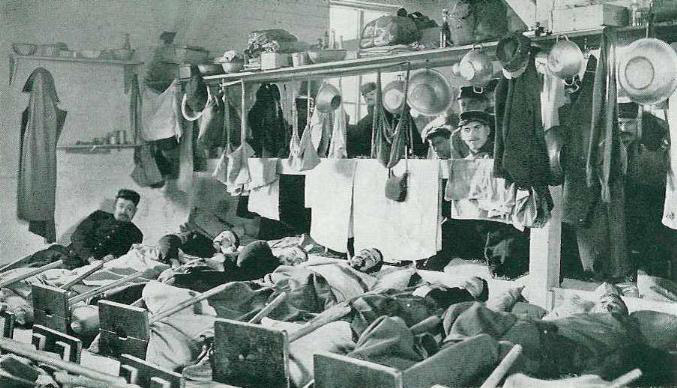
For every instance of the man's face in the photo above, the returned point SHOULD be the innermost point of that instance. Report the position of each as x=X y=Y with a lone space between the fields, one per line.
x=610 y=304
x=468 y=104
x=475 y=135
x=293 y=255
x=370 y=97
x=226 y=242
x=124 y=210
x=441 y=146
x=629 y=130
x=364 y=260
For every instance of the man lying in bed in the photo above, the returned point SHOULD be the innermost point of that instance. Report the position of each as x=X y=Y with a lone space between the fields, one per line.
x=139 y=258
x=606 y=341
x=312 y=287
x=100 y=236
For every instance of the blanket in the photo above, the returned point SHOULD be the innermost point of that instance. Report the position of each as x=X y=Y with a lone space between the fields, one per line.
x=140 y=258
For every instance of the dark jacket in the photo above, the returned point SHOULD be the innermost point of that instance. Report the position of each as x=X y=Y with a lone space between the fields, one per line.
x=520 y=154
x=578 y=198
x=101 y=234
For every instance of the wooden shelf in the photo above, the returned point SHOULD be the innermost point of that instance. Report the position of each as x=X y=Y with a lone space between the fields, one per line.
x=81 y=60
x=418 y=59
x=421 y=59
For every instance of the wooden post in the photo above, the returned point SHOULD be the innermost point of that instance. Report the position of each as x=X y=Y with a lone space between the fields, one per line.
x=77 y=280
x=544 y=255
x=37 y=271
x=503 y=367
x=28 y=351
x=97 y=291
x=187 y=303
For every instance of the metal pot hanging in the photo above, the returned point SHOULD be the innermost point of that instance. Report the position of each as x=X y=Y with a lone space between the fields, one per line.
x=476 y=68
x=565 y=59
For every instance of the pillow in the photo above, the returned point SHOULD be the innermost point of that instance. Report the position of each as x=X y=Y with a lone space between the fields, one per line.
x=568 y=307
x=658 y=329
x=397 y=280
x=656 y=288
x=528 y=310
x=506 y=300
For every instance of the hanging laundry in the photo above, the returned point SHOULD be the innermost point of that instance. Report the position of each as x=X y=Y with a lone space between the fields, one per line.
x=186 y=158
x=670 y=208
x=269 y=129
x=146 y=172
x=331 y=209
x=41 y=125
x=262 y=172
x=165 y=121
x=265 y=200
x=321 y=128
x=604 y=160
x=553 y=97
x=264 y=188
x=337 y=147
x=577 y=198
x=307 y=157
x=405 y=230
x=238 y=169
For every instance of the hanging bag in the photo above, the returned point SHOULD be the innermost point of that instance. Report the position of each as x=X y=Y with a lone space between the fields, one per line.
x=396 y=186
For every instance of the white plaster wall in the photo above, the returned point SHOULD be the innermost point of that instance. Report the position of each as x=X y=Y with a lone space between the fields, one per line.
x=93 y=94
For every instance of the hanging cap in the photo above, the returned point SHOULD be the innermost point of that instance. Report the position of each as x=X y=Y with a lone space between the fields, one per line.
x=513 y=51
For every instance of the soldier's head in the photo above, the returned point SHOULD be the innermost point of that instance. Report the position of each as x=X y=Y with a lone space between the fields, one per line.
x=126 y=202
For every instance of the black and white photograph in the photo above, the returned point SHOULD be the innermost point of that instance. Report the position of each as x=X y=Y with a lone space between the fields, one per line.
x=338 y=193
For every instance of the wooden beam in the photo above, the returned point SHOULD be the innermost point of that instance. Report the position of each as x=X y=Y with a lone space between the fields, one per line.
x=544 y=255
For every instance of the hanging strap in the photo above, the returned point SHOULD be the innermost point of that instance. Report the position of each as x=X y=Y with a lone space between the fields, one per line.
x=308 y=104
x=226 y=115
x=375 y=120
x=408 y=118
x=243 y=118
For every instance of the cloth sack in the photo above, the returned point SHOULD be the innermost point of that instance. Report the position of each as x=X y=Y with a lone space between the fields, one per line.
x=388 y=30
x=211 y=132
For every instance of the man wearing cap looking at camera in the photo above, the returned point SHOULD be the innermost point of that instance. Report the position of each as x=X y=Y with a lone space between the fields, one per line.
x=508 y=248
x=471 y=140
x=100 y=236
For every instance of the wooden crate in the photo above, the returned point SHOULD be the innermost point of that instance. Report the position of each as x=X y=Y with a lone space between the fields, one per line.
x=586 y=18
x=455 y=365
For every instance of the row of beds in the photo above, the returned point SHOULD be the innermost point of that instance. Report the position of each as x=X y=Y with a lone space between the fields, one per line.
x=245 y=353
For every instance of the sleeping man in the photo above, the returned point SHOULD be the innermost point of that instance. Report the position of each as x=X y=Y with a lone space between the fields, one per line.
x=605 y=341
